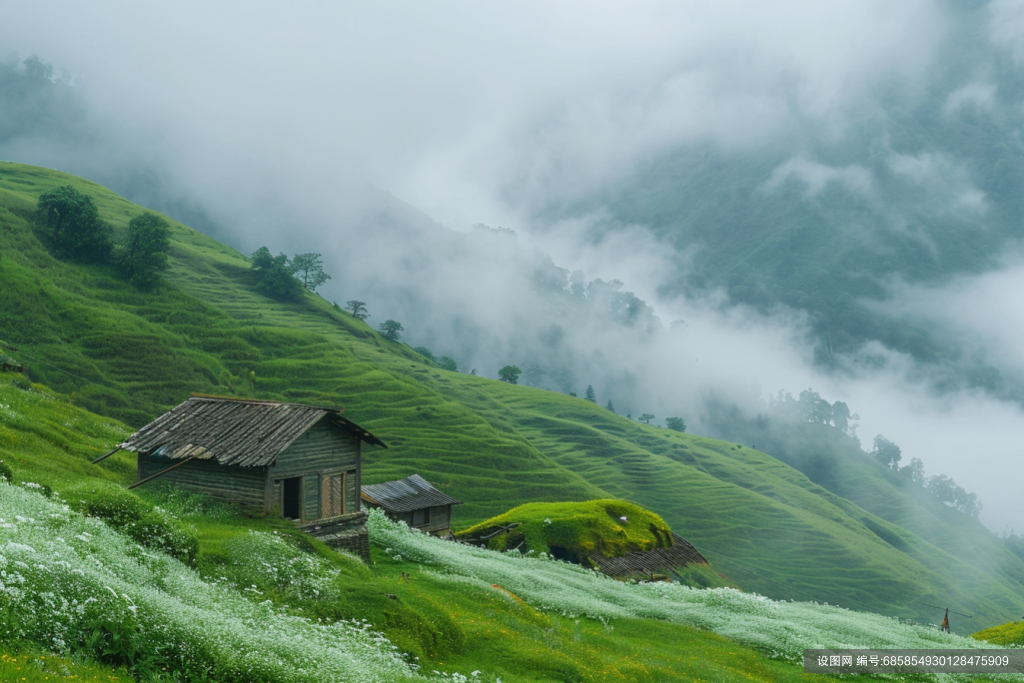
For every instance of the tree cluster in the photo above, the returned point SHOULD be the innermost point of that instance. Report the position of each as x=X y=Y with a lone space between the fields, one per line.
x=1015 y=543
x=77 y=233
x=940 y=486
x=284 y=279
x=947 y=492
x=274 y=275
x=811 y=407
x=444 y=362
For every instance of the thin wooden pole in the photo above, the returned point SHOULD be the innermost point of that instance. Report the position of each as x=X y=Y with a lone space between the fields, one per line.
x=154 y=476
x=104 y=457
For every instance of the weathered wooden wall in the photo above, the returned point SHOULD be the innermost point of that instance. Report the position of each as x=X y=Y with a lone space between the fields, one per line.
x=322 y=450
x=440 y=519
x=246 y=485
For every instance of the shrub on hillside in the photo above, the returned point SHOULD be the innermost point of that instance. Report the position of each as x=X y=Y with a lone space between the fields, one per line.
x=76 y=231
x=143 y=254
x=145 y=524
x=274 y=275
x=6 y=473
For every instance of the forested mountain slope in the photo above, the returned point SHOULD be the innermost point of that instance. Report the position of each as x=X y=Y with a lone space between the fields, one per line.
x=132 y=354
x=916 y=182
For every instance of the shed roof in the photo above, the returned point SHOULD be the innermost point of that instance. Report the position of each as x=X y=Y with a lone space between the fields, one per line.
x=234 y=431
x=405 y=495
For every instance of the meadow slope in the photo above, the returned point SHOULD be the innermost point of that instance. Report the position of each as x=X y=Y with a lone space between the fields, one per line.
x=765 y=525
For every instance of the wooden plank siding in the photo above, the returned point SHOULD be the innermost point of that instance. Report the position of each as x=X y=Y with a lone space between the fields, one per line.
x=326 y=458
x=323 y=451
x=440 y=519
x=245 y=485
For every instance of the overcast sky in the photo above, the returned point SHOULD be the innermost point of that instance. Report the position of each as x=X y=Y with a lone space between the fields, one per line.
x=268 y=113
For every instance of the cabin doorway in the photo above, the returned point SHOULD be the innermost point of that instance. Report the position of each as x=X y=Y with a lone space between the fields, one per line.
x=291 y=498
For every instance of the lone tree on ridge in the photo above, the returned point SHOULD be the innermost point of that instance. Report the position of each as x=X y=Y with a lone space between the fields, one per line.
x=677 y=424
x=310 y=270
x=510 y=374
x=391 y=330
x=358 y=309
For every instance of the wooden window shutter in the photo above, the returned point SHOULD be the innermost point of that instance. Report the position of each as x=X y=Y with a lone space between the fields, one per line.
x=332 y=495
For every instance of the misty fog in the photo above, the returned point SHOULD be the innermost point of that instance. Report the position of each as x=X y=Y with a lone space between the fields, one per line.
x=380 y=135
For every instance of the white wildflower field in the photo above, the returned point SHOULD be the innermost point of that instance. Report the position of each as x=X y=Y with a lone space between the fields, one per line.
x=781 y=629
x=72 y=583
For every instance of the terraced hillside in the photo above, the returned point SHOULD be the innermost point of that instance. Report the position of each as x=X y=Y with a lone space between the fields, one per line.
x=131 y=355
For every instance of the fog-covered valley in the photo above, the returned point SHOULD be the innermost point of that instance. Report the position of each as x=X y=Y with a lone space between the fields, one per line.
x=678 y=205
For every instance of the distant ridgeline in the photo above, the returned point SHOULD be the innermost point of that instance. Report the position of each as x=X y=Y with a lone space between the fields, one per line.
x=924 y=187
x=812 y=435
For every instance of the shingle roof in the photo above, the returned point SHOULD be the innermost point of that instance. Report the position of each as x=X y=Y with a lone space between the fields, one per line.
x=234 y=431
x=405 y=495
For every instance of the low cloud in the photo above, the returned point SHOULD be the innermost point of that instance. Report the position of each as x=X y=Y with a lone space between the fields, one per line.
x=948 y=183
x=816 y=177
x=980 y=95
x=1007 y=26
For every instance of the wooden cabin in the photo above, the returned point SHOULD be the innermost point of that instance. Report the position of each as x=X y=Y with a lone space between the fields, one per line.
x=414 y=501
x=301 y=461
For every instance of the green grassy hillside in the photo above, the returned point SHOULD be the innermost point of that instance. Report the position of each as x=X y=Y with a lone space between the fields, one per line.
x=130 y=355
x=897 y=504
x=580 y=527
x=1006 y=635
x=248 y=563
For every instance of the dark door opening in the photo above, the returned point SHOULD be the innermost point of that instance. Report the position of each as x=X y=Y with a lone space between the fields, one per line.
x=291 y=498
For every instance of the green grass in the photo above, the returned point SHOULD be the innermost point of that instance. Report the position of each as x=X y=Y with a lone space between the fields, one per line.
x=448 y=630
x=505 y=637
x=1006 y=634
x=130 y=356
x=582 y=528
x=572 y=531
x=35 y=667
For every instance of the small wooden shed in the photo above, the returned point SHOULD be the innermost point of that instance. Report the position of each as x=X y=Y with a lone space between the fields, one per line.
x=299 y=460
x=414 y=501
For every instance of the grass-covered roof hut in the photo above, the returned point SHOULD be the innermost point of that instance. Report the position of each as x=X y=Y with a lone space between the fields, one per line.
x=414 y=501
x=617 y=537
x=299 y=460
